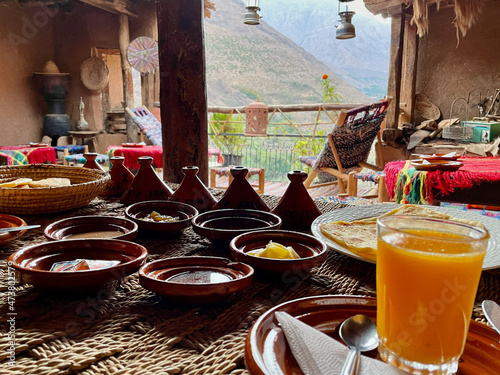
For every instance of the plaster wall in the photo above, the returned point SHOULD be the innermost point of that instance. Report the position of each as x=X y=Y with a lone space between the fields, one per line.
x=25 y=46
x=468 y=71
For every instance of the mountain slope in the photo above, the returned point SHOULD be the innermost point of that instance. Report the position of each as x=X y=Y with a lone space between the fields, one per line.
x=362 y=61
x=249 y=62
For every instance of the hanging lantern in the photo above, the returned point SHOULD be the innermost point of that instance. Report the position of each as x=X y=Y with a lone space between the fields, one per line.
x=251 y=16
x=345 y=30
x=256 y=119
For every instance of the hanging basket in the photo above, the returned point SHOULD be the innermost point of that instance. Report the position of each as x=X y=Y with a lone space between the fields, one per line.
x=94 y=72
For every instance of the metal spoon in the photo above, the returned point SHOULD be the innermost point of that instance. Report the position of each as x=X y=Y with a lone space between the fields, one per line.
x=15 y=229
x=360 y=335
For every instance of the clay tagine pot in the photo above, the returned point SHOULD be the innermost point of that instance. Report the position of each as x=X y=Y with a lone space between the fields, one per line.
x=193 y=192
x=121 y=177
x=240 y=194
x=147 y=185
x=296 y=208
x=90 y=161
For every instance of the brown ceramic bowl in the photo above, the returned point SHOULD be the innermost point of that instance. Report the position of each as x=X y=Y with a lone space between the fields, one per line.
x=312 y=252
x=10 y=221
x=184 y=212
x=33 y=263
x=224 y=225
x=195 y=280
x=92 y=227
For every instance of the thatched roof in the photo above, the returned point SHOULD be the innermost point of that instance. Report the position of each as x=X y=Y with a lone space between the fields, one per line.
x=466 y=11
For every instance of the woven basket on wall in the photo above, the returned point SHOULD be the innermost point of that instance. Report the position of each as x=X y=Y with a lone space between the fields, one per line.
x=86 y=184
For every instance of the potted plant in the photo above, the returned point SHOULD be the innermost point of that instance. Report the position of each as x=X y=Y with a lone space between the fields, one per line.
x=223 y=124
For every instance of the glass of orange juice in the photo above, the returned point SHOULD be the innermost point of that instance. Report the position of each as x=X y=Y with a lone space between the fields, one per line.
x=428 y=272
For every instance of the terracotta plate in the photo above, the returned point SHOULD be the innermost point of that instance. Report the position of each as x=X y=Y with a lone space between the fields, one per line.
x=9 y=221
x=33 y=264
x=267 y=352
x=34 y=144
x=438 y=157
x=195 y=280
x=132 y=144
x=92 y=227
x=442 y=165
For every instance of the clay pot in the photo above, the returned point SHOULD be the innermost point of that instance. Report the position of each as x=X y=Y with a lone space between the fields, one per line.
x=121 y=177
x=147 y=186
x=296 y=208
x=90 y=161
x=193 y=192
x=240 y=194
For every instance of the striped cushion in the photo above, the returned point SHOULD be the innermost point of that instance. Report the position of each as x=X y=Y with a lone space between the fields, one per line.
x=79 y=159
x=226 y=171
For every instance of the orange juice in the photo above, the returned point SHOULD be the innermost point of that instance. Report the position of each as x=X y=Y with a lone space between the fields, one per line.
x=426 y=285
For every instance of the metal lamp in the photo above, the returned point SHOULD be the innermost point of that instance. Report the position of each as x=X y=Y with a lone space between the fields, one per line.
x=251 y=16
x=345 y=30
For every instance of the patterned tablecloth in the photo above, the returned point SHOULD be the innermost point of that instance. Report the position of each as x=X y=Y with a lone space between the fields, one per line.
x=19 y=155
x=131 y=154
x=131 y=331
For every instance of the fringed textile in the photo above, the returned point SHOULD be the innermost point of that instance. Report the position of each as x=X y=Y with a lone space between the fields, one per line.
x=407 y=185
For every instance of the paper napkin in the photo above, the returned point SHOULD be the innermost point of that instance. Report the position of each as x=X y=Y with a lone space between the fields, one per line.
x=319 y=354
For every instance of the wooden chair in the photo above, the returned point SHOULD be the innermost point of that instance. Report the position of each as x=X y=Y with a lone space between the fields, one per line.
x=147 y=123
x=346 y=151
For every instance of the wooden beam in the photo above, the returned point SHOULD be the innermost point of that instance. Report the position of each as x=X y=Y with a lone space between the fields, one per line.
x=183 y=95
x=394 y=85
x=409 y=76
x=116 y=7
x=292 y=107
x=124 y=41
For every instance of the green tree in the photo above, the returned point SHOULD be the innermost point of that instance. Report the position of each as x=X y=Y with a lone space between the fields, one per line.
x=223 y=123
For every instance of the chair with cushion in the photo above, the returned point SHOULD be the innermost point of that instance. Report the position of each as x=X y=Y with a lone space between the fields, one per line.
x=147 y=123
x=346 y=151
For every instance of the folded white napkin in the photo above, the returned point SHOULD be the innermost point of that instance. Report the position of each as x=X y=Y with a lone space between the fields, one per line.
x=319 y=354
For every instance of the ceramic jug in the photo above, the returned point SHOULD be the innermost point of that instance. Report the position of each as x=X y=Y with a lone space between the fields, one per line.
x=121 y=177
x=193 y=192
x=296 y=208
x=90 y=161
x=240 y=194
x=147 y=185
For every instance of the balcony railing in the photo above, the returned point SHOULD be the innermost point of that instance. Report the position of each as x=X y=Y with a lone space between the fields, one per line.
x=293 y=131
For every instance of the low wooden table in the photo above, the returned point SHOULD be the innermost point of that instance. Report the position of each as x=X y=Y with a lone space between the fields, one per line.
x=85 y=135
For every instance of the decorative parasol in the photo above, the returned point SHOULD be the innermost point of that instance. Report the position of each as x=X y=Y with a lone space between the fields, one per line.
x=142 y=54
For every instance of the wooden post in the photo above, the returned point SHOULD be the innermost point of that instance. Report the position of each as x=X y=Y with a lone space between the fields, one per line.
x=394 y=85
x=410 y=57
x=183 y=98
x=124 y=41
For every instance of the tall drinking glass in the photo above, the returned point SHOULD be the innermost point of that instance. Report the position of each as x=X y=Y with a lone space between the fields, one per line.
x=428 y=272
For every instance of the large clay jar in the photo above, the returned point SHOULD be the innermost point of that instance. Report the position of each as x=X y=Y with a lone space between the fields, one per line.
x=121 y=177
x=90 y=161
x=147 y=185
x=240 y=194
x=296 y=208
x=193 y=192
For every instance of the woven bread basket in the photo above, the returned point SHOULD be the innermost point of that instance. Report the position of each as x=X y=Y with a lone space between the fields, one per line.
x=86 y=184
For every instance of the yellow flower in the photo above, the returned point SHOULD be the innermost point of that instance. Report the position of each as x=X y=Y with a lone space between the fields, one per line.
x=324 y=76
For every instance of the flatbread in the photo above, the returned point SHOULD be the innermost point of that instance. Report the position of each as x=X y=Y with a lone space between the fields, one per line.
x=360 y=236
x=16 y=183
x=50 y=182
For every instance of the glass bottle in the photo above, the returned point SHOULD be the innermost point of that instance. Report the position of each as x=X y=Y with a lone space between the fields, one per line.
x=193 y=192
x=147 y=185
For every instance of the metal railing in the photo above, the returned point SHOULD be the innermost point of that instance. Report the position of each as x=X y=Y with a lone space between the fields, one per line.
x=289 y=136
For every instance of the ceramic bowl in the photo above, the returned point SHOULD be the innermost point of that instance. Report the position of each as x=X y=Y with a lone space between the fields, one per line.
x=312 y=252
x=224 y=225
x=195 y=280
x=92 y=227
x=184 y=212
x=33 y=263
x=9 y=221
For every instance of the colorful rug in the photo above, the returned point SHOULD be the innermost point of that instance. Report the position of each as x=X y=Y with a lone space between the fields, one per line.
x=407 y=185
